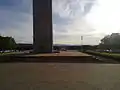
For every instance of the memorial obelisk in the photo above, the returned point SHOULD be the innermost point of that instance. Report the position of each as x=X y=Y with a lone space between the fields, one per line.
x=42 y=26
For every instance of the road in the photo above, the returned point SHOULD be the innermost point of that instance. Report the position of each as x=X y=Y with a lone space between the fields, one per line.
x=59 y=76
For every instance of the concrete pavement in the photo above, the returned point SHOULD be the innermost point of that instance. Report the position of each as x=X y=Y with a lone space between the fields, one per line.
x=59 y=76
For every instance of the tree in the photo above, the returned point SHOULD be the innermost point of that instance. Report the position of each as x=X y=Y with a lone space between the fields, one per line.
x=7 y=43
x=110 y=41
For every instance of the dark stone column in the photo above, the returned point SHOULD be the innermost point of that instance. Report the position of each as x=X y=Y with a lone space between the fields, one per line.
x=42 y=26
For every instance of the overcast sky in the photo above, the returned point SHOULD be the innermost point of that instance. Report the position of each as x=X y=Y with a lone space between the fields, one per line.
x=92 y=19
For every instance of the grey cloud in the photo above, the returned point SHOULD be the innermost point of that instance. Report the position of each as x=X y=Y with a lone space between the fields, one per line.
x=17 y=20
x=60 y=37
x=59 y=28
x=59 y=20
x=68 y=22
x=12 y=19
x=23 y=6
x=72 y=8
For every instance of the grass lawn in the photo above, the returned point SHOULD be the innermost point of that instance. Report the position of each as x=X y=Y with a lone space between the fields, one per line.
x=110 y=55
x=9 y=53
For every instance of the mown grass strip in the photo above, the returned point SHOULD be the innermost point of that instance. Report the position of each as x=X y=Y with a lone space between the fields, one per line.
x=104 y=54
x=9 y=53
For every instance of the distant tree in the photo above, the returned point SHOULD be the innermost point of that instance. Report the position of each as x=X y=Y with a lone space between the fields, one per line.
x=110 y=41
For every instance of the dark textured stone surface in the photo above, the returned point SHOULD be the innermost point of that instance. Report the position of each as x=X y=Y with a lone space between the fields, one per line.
x=42 y=26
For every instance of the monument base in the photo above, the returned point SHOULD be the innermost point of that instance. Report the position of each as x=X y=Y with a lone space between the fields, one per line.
x=62 y=57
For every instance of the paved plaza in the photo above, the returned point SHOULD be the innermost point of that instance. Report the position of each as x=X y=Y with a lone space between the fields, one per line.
x=59 y=76
x=62 y=53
